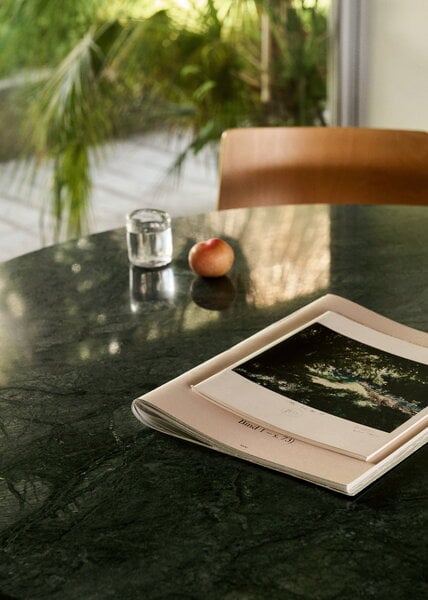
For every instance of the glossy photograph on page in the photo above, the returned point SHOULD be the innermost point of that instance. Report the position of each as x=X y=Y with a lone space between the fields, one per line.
x=331 y=372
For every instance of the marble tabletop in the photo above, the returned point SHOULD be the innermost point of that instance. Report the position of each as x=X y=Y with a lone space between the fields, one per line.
x=93 y=505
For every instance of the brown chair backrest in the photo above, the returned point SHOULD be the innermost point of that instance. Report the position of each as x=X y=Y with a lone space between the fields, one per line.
x=334 y=165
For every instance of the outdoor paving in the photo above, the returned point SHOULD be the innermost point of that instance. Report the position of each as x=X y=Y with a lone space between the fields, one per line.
x=130 y=174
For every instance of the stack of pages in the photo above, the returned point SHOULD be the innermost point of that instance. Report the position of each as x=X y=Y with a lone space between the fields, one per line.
x=334 y=394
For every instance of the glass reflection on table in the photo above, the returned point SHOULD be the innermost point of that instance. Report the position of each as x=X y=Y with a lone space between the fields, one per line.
x=150 y=290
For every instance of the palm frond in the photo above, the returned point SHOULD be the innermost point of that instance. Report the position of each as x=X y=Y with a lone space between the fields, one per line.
x=126 y=66
x=69 y=117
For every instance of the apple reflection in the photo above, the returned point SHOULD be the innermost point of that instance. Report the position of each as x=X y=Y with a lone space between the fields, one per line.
x=214 y=293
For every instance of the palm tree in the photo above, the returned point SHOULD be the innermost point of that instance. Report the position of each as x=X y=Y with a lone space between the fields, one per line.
x=122 y=69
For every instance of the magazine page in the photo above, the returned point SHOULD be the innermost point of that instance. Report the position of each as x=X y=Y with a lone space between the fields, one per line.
x=175 y=409
x=331 y=382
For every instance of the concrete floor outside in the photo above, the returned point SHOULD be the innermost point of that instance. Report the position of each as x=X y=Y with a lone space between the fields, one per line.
x=131 y=174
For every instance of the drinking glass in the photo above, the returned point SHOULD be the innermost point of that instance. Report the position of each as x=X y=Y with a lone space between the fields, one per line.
x=149 y=238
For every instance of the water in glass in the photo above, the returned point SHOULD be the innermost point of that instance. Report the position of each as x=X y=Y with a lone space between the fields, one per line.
x=149 y=238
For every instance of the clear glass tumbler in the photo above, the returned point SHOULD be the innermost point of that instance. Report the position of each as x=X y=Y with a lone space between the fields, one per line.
x=149 y=238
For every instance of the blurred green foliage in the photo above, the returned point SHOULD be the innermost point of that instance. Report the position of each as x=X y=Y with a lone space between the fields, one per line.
x=123 y=66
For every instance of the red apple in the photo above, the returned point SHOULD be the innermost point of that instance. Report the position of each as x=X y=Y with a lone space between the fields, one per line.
x=212 y=258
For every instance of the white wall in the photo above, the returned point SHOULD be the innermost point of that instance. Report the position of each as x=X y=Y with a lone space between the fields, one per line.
x=395 y=91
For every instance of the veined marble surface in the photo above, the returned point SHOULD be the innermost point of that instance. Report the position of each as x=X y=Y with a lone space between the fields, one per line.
x=95 y=506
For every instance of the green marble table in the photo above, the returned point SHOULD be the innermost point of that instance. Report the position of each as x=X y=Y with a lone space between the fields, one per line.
x=95 y=506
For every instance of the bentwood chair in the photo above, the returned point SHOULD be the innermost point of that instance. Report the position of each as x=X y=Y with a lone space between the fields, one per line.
x=334 y=165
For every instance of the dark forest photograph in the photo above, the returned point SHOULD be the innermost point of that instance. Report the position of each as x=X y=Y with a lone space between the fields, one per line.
x=342 y=377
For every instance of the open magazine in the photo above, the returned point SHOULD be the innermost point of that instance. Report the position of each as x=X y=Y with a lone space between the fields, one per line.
x=334 y=394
